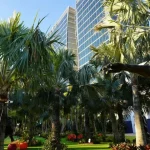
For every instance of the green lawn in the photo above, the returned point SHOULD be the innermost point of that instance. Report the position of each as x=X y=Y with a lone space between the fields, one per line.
x=74 y=145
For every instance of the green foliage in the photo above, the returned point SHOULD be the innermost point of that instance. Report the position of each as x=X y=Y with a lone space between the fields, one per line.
x=37 y=142
x=81 y=141
x=109 y=139
x=44 y=135
x=97 y=139
x=25 y=134
x=49 y=145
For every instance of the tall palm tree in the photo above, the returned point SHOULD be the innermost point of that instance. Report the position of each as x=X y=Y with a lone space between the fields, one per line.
x=128 y=33
x=21 y=50
x=56 y=85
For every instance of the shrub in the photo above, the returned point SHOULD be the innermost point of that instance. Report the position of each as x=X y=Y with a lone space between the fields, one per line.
x=80 y=136
x=124 y=146
x=44 y=135
x=25 y=135
x=127 y=141
x=62 y=135
x=81 y=141
x=127 y=146
x=71 y=137
x=36 y=142
x=97 y=139
x=109 y=139
x=50 y=145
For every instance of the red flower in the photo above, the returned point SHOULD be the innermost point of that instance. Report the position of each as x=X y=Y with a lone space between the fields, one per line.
x=100 y=134
x=71 y=137
x=80 y=136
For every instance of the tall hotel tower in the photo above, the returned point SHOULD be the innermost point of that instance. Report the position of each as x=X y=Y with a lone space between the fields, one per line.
x=66 y=30
x=89 y=13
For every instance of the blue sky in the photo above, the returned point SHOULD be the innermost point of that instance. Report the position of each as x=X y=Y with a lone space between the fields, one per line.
x=29 y=8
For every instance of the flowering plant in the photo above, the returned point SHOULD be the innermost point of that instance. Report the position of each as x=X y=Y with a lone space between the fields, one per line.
x=80 y=136
x=127 y=146
x=71 y=137
x=100 y=134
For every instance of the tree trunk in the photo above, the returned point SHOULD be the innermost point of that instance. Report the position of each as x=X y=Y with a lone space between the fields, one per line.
x=76 y=119
x=139 y=127
x=31 y=129
x=114 y=126
x=87 y=125
x=121 y=124
x=55 y=129
x=3 y=117
x=80 y=121
x=143 y=70
x=103 y=122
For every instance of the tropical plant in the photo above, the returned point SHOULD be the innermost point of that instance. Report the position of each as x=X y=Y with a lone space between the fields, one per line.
x=129 y=40
x=56 y=84
x=22 y=50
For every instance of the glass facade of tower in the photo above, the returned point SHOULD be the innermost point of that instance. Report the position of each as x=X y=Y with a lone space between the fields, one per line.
x=89 y=13
x=61 y=29
x=66 y=31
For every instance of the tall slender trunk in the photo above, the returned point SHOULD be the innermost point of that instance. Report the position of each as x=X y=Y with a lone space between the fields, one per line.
x=121 y=124
x=94 y=125
x=80 y=122
x=139 y=127
x=3 y=117
x=103 y=122
x=55 y=129
x=87 y=124
x=76 y=119
x=114 y=126
x=31 y=129
x=63 y=122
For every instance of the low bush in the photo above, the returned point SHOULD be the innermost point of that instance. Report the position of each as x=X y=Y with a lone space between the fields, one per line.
x=36 y=142
x=63 y=135
x=109 y=139
x=128 y=146
x=44 y=135
x=97 y=139
x=79 y=136
x=51 y=145
x=81 y=141
x=71 y=137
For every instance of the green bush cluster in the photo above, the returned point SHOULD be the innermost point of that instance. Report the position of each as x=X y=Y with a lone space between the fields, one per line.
x=50 y=145
x=98 y=138
x=36 y=142
x=44 y=135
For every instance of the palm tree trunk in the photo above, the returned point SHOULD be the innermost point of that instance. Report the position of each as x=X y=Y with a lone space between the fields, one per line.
x=121 y=124
x=114 y=126
x=31 y=129
x=3 y=117
x=87 y=125
x=76 y=119
x=139 y=127
x=55 y=129
x=103 y=122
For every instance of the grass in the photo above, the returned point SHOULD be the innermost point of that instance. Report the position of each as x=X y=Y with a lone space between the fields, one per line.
x=73 y=145
x=76 y=146
x=131 y=138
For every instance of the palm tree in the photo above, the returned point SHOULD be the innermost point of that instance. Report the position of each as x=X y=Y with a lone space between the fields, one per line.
x=128 y=33
x=56 y=85
x=21 y=50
